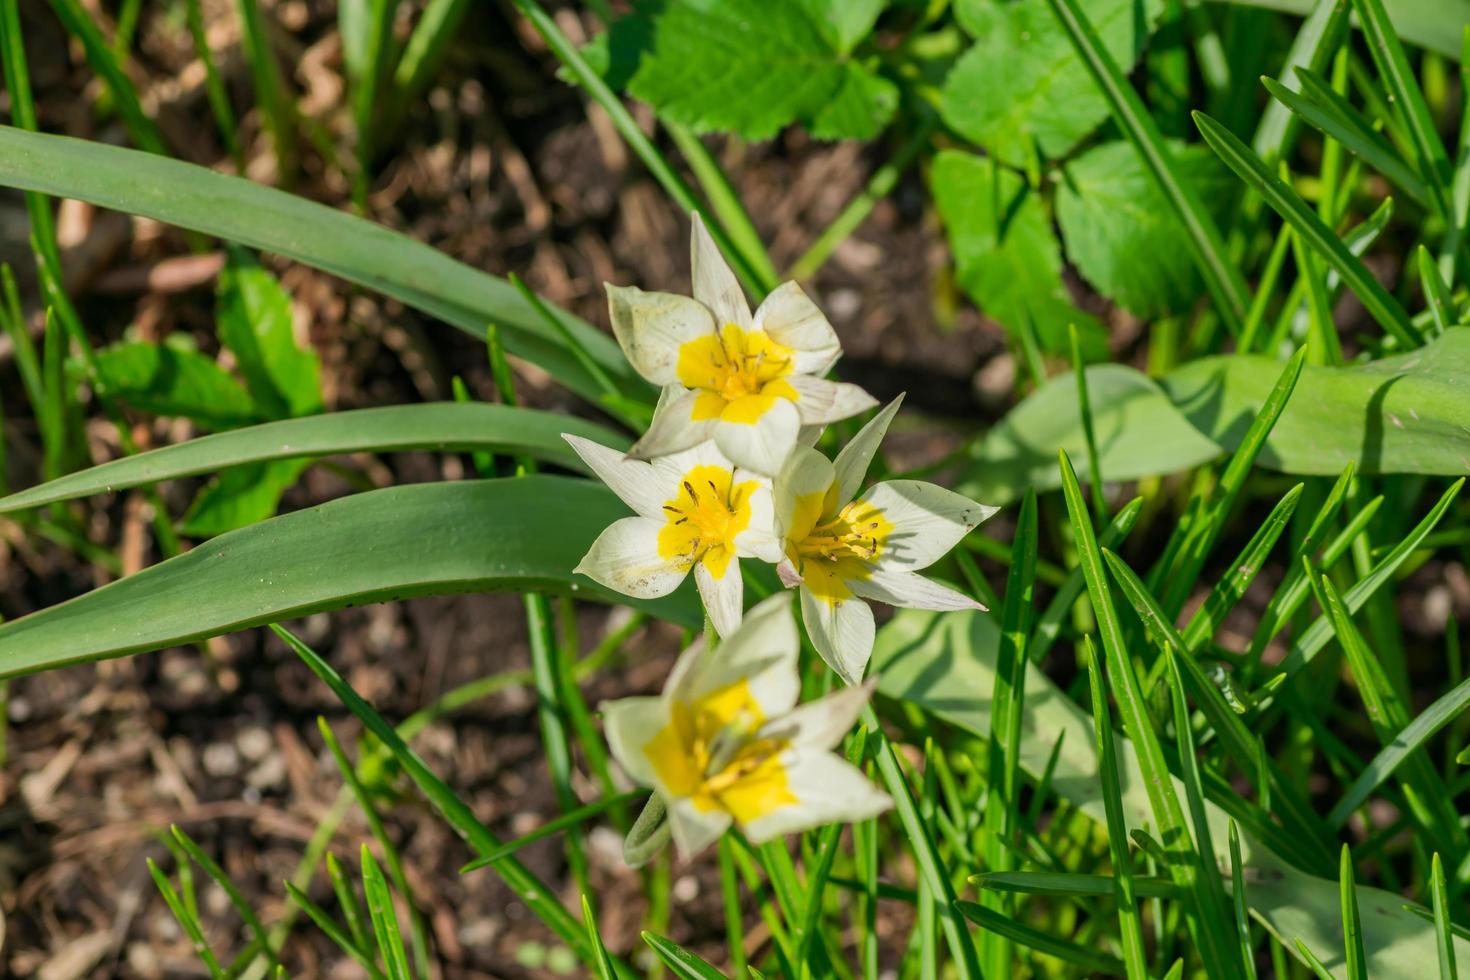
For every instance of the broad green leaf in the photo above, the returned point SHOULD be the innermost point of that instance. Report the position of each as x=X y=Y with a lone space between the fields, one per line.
x=1006 y=257
x=370 y=255
x=1122 y=234
x=241 y=495
x=254 y=321
x=166 y=379
x=1139 y=433
x=746 y=66
x=1021 y=85
x=945 y=663
x=845 y=22
x=385 y=545
x=1401 y=414
x=441 y=427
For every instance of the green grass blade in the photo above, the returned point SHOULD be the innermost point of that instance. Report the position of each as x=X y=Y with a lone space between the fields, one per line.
x=725 y=201
x=681 y=963
x=439 y=426
x=1240 y=903
x=1448 y=969
x=1429 y=722
x=1216 y=949
x=187 y=919
x=270 y=87
x=1352 y=923
x=1377 y=300
x=1068 y=884
x=104 y=61
x=1127 y=898
x=346 y=892
x=1049 y=625
x=342 y=244
x=1219 y=273
x=1042 y=942
x=384 y=918
x=214 y=86
x=242 y=906
x=571 y=818
x=1002 y=802
x=424 y=52
x=525 y=534
x=1318 y=968
x=1406 y=96
x=333 y=931
x=1320 y=35
x=603 y=962
x=537 y=896
x=1436 y=293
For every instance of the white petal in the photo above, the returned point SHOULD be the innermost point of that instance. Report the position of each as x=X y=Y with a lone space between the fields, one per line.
x=803 y=494
x=911 y=590
x=822 y=723
x=694 y=829
x=927 y=521
x=723 y=597
x=674 y=428
x=671 y=469
x=651 y=327
x=758 y=540
x=841 y=631
x=761 y=652
x=809 y=434
x=625 y=558
x=828 y=789
x=791 y=319
x=714 y=284
x=634 y=481
x=764 y=444
x=822 y=401
x=630 y=724
x=853 y=462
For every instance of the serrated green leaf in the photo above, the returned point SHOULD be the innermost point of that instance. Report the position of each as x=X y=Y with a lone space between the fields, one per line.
x=1006 y=257
x=422 y=539
x=1121 y=233
x=845 y=22
x=1021 y=85
x=745 y=66
x=254 y=321
x=163 y=379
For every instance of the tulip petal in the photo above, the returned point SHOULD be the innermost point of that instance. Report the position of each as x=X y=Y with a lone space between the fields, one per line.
x=803 y=494
x=635 y=482
x=822 y=723
x=911 y=590
x=828 y=789
x=762 y=652
x=852 y=463
x=626 y=559
x=723 y=595
x=675 y=426
x=765 y=434
x=695 y=829
x=714 y=284
x=630 y=724
x=842 y=632
x=927 y=521
x=758 y=540
x=791 y=319
x=822 y=401
x=651 y=327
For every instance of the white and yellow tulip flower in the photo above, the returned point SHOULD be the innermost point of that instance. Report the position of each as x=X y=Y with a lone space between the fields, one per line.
x=726 y=743
x=748 y=382
x=694 y=510
x=842 y=549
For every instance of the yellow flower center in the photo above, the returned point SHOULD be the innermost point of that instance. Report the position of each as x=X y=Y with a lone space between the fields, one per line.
x=704 y=517
x=840 y=549
x=708 y=755
x=738 y=373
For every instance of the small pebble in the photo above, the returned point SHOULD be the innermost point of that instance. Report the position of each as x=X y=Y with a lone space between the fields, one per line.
x=221 y=759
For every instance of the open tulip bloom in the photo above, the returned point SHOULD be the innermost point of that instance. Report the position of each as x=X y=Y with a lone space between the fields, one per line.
x=726 y=743
x=842 y=551
x=694 y=510
x=748 y=382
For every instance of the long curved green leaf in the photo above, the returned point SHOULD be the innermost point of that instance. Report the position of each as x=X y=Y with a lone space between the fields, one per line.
x=345 y=245
x=1434 y=24
x=440 y=426
x=946 y=662
x=422 y=539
